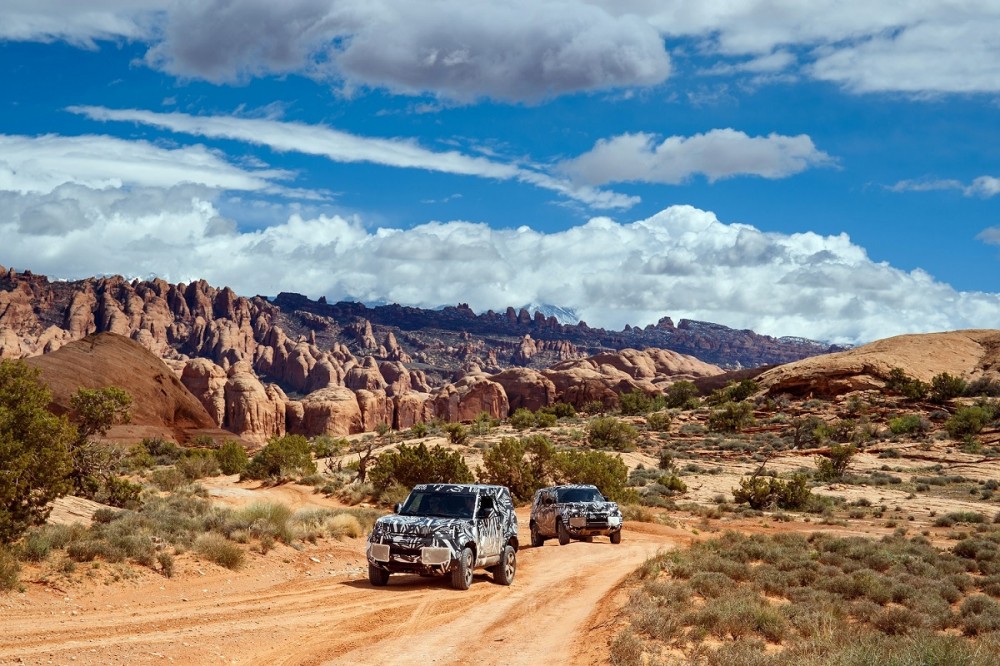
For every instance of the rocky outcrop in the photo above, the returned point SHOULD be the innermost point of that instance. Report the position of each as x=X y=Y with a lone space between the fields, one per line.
x=207 y=382
x=253 y=411
x=470 y=396
x=971 y=354
x=526 y=388
x=330 y=411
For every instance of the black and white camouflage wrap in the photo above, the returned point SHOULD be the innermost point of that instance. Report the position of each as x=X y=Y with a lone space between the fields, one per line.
x=580 y=508
x=431 y=544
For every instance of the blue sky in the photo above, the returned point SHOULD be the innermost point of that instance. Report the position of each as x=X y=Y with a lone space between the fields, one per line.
x=827 y=169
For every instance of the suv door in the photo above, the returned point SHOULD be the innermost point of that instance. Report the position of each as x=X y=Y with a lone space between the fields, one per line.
x=489 y=525
x=545 y=517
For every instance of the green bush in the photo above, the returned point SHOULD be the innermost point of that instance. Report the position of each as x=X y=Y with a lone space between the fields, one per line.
x=659 y=421
x=325 y=446
x=505 y=464
x=909 y=424
x=968 y=421
x=216 y=548
x=35 y=451
x=766 y=492
x=834 y=465
x=734 y=392
x=282 y=458
x=673 y=483
x=522 y=419
x=607 y=432
x=232 y=457
x=121 y=493
x=457 y=433
x=900 y=383
x=410 y=465
x=639 y=402
x=945 y=387
x=197 y=464
x=10 y=570
x=731 y=417
x=162 y=451
x=682 y=395
x=605 y=471
x=419 y=430
x=561 y=410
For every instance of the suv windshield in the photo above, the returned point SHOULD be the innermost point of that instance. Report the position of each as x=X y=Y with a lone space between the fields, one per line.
x=579 y=495
x=441 y=505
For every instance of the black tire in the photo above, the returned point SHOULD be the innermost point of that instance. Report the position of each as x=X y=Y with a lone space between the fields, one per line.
x=536 y=538
x=377 y=577
x=461 y=575
x=616 y=537
x=503 y=572
x=563 y=533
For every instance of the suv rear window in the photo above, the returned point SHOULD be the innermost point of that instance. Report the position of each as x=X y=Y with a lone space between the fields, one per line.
x=438 y=504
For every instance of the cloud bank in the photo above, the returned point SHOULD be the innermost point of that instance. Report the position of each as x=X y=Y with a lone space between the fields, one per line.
x=681 y=262
x=528 y=50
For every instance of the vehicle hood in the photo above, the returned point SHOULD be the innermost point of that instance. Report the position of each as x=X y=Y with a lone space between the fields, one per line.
x=583 y=508
x=418 y=526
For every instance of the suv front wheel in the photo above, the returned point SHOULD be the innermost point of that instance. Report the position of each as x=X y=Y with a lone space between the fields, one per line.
x=461 y=575
x=377 y=577
x=563 y=533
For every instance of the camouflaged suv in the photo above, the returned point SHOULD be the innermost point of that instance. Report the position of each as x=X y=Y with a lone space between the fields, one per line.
x=573 y=512
x=447 y=529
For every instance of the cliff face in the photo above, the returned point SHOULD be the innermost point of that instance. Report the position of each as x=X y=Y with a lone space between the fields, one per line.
x=260 y=368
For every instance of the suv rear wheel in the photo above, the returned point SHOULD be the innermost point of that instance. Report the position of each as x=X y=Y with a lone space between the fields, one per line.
x=616 y=537
x=461 y=575
x=536 y=538
x=503 y=572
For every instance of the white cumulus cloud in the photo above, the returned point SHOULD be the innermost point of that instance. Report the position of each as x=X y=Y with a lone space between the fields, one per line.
x=720 y=153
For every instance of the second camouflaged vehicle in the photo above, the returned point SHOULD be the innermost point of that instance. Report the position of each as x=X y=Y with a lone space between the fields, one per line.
x=573 y=512
x=447 y=529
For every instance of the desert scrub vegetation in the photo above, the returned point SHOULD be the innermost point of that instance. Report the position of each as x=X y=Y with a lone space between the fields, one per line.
x=282 y=458
x=607 y=432
x=164 y=527
x=811 y=600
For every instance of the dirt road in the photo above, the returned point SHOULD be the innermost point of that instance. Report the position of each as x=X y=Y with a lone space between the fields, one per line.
x=316 y=607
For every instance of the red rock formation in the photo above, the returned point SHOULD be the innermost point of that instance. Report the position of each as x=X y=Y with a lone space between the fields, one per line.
x=207 y=382
x=467 y=398
x=330 y=411
x=254 y=412
x=525 y=388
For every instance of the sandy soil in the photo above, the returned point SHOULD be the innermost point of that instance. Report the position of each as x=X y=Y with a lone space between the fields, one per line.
x=315 y=606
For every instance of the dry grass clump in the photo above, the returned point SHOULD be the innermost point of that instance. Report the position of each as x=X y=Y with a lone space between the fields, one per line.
x=217 y=548
x=816 y=599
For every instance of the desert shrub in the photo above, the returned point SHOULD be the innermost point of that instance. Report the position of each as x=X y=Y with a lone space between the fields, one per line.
x=672 y=483
x=764 y=492
x=10 y=570
x=968 y=421
x=262 y=519
x=909 y=424
x=197 y=464
x=457 y=433
x=522 y=419
x=216 y=548
x=36 y=459
x=639 y=402
x=324 y=446
x=945 y=387
x=506 y=463
x=833 y=465
x=410 y=465
x=607 y=432
x=682 y=395
x=561 y=410
x=232 y=457
x=419 y=430
x=166 y=561
x=120 y=493
x=626 y=650
x=731 y=417
x=900 y=383
x=283 y=457
x=344 y=525
x=659 y=421
x=733 y=392
x=167 y=479
x=605 y=471
x=983 y=386
x=162 y=451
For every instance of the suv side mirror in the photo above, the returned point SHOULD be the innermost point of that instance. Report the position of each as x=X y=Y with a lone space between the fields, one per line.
x=397 y=507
